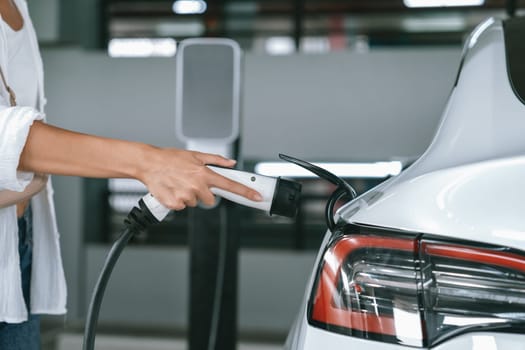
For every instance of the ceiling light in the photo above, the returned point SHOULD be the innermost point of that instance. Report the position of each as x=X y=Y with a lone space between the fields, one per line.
x=279 y=45
x=142 y=47
x=434 y=24
x=359 y=170
x=442 y=3
x=189 y=7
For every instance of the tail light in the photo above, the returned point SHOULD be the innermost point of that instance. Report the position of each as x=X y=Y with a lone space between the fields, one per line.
x=416 y=291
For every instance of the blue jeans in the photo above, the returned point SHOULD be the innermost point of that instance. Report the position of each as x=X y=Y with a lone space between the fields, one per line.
x=25 y=335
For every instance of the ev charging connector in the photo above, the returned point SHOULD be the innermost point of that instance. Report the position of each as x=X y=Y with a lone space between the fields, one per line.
x=279 y=196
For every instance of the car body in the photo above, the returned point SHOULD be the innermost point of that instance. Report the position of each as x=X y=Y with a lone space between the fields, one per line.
x=435 y=257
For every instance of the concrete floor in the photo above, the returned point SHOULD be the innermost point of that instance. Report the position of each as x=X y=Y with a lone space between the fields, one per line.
x=56 y=335
x=110 y=342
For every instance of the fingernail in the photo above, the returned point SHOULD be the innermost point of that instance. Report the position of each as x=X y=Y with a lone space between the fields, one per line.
x=258 y=197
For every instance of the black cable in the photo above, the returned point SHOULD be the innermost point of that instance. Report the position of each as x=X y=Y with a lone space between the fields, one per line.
x=330 y=205
x=137 y=220
x=343 y=187
x=322 y=173
x=98 y=295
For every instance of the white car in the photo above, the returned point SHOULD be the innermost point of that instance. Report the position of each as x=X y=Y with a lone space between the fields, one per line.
x=435 y=257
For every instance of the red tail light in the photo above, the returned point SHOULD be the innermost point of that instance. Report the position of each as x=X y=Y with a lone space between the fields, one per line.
x=416 y=291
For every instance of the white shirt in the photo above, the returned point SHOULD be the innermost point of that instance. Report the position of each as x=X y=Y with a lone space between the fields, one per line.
x=22 y=66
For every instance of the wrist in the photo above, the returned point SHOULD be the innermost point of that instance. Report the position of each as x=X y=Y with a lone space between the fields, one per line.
x=145 y=162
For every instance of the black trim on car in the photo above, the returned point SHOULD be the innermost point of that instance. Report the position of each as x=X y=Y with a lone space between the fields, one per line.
x=514 y=33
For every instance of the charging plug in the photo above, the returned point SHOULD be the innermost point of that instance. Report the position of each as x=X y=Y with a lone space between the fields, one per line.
x=280 y=196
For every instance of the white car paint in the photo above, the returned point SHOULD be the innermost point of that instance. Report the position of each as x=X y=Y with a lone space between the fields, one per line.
x=483 y=201
x=479 y=143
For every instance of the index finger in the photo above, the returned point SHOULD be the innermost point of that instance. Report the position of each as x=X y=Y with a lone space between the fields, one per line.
x=229 y=185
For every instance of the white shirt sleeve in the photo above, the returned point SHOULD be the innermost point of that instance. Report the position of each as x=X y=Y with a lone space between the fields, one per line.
x=15 y=123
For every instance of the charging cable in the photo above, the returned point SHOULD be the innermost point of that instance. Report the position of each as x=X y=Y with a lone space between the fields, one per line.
x=139 y=219
x=344 y=189
x=280 y=197
x=149 y=212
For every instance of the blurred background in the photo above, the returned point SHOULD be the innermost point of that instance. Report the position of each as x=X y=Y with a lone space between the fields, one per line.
x=323 y=80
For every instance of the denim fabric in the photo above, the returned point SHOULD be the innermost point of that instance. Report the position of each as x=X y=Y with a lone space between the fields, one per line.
x=26 y=335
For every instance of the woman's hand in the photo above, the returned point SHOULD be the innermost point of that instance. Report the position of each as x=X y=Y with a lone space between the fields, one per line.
x=177 y=178
x=180 y=178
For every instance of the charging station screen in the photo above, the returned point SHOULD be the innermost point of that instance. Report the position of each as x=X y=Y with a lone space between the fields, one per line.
x=208 y=91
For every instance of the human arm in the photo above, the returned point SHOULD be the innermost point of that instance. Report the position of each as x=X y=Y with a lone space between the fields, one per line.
x=177 y=178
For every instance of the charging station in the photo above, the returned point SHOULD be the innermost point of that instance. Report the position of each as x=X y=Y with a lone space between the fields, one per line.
x=207 y=120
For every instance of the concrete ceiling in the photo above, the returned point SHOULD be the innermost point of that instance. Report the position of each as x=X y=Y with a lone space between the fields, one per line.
x=381 y=22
